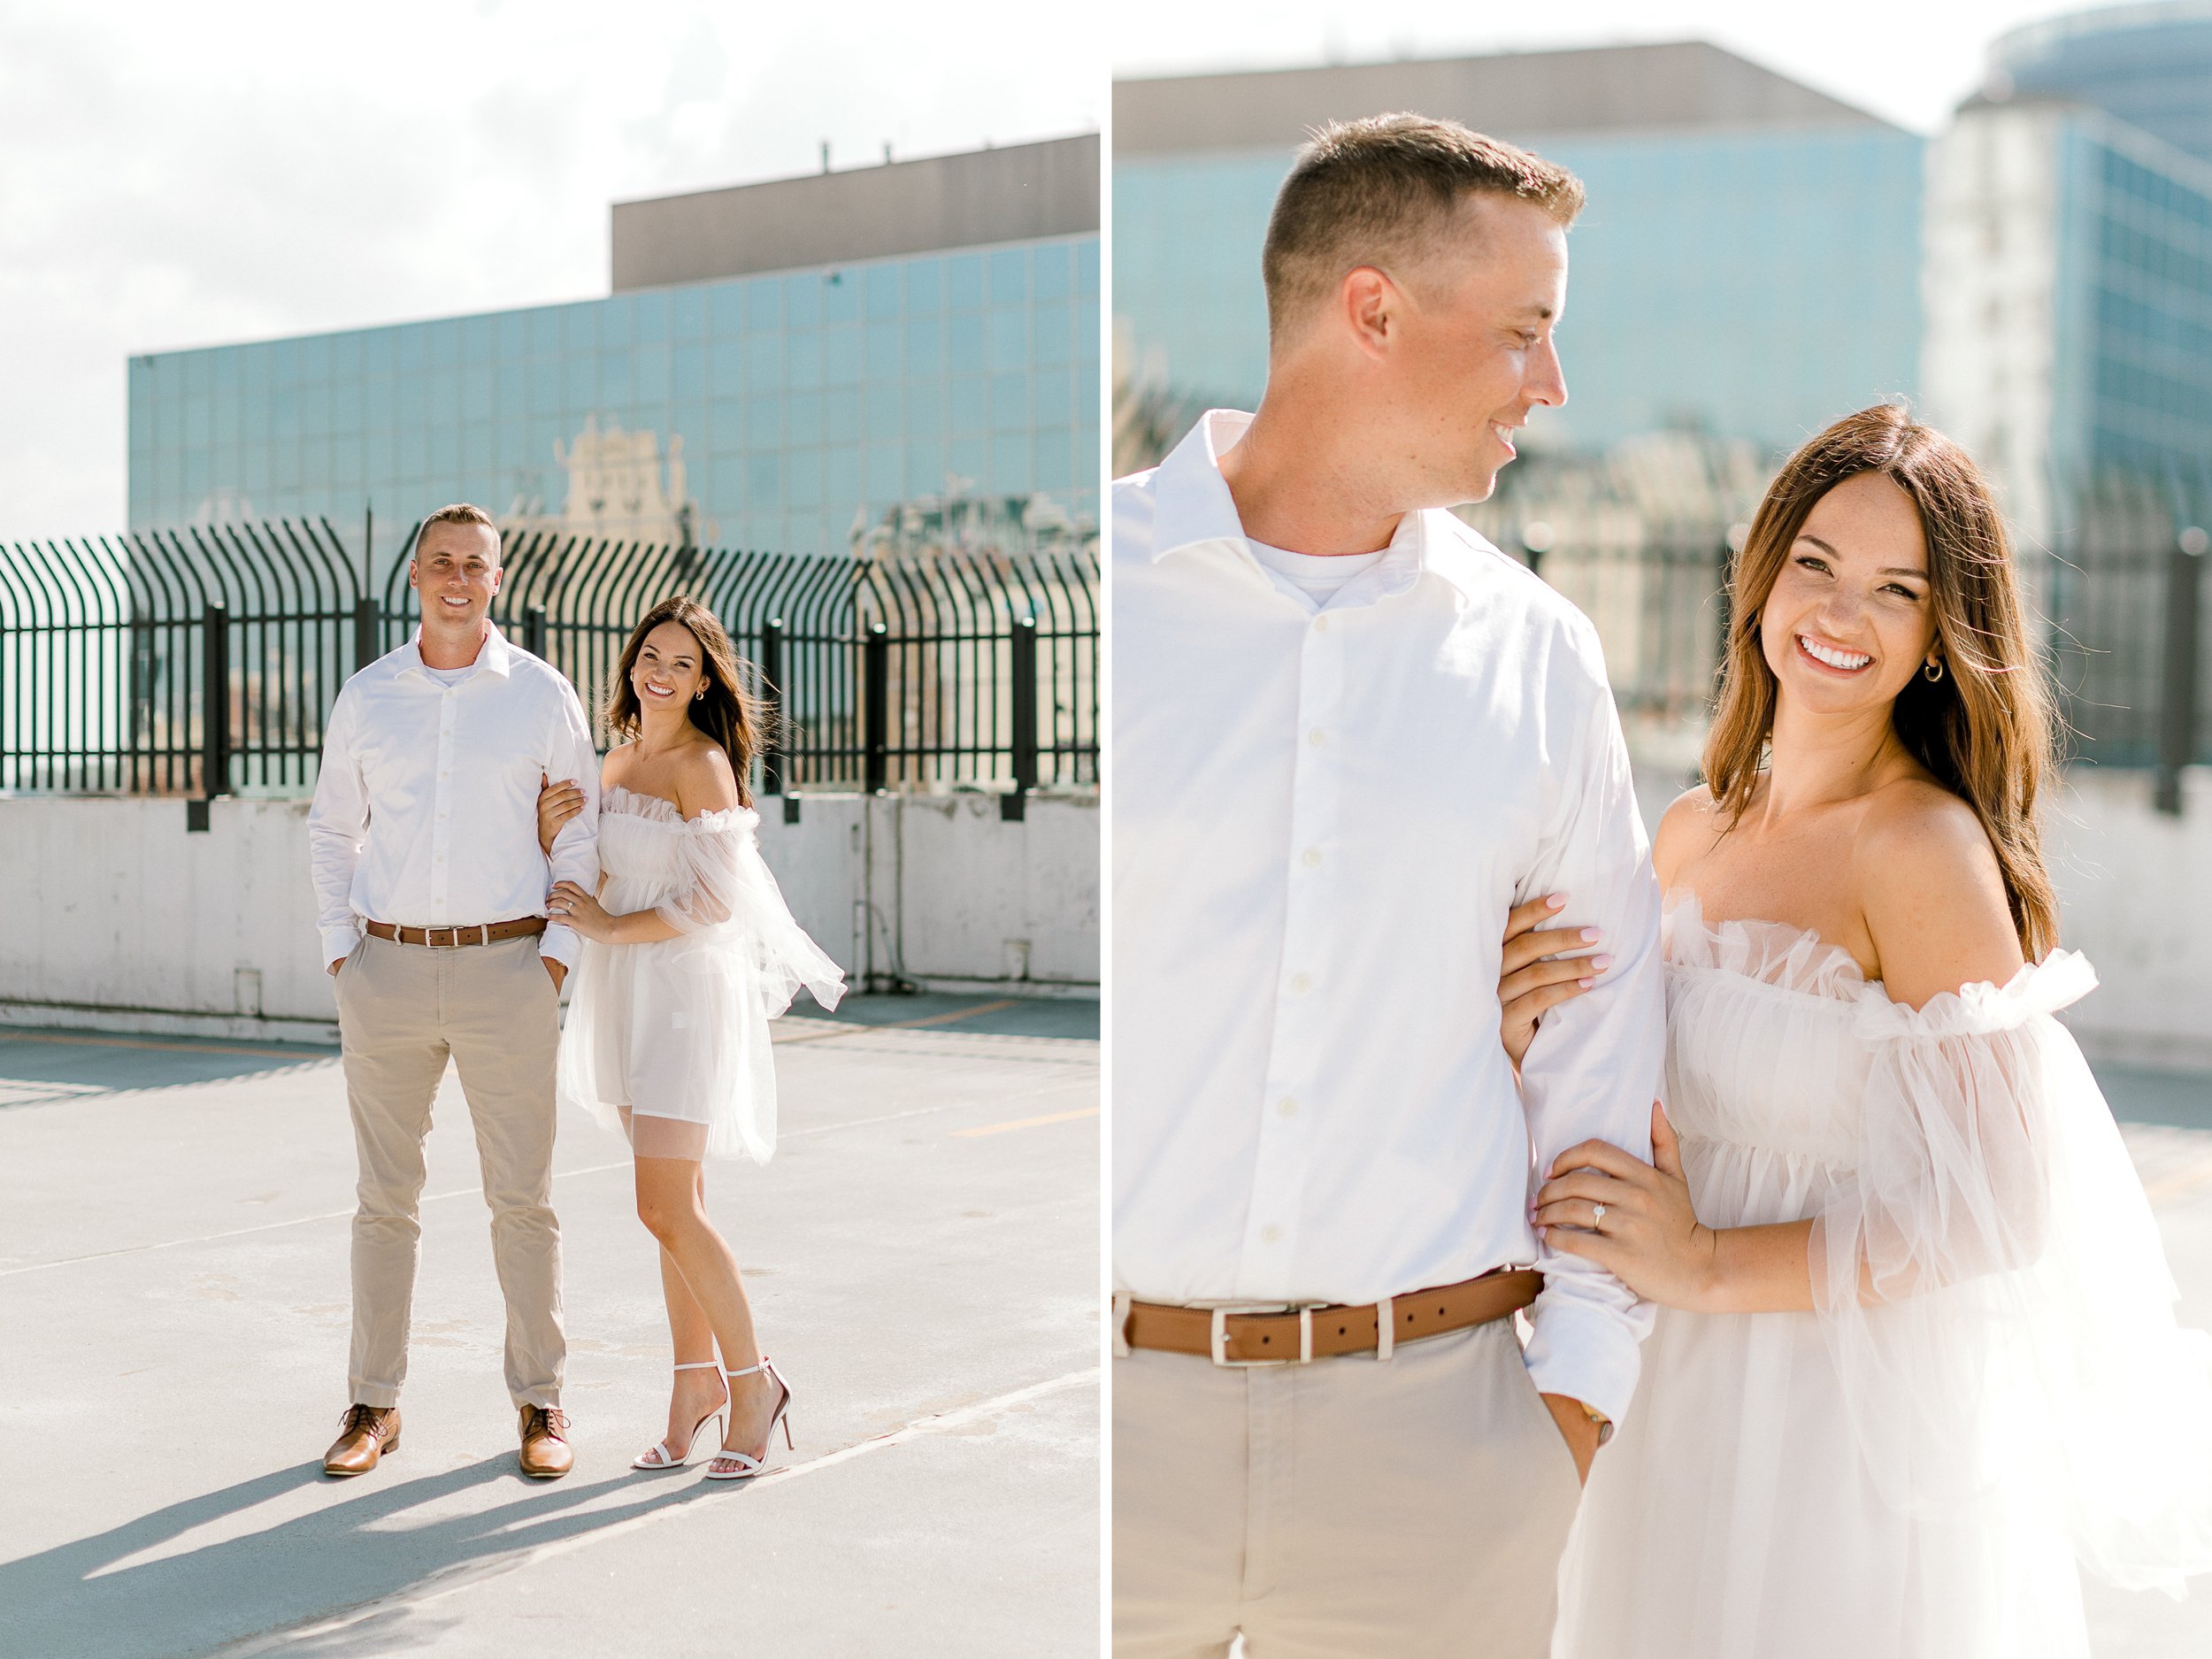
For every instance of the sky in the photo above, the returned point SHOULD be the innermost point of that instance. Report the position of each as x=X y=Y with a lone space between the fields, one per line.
x=184 y=175
x=1909 y=60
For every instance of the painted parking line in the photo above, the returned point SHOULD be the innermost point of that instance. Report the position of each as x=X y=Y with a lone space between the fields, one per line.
x=853 y=1028
x=1027 y=1123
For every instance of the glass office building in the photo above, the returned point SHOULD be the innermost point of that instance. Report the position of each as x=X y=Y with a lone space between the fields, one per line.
x=1750 y=275
x=2070 y=300
x=789 y=409
x=2149 y=65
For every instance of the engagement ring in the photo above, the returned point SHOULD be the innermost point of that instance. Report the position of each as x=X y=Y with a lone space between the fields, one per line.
x=1597 y=1215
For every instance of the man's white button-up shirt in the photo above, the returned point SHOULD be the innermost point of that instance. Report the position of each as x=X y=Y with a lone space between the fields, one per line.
x=1321 y=818
x=426 y=812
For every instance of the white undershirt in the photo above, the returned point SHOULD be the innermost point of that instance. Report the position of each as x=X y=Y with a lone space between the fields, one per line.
x=1319 y=577
x=449 y=676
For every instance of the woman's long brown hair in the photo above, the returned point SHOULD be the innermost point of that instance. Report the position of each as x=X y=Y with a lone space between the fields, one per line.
x=725 y=712
x=1984 y=730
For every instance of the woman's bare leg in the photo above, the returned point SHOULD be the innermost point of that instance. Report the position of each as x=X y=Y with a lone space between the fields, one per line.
x=672 y=1204
x=696 y=1393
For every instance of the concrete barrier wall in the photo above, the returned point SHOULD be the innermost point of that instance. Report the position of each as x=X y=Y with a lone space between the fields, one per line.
x=116 y=917
x=2135 y=897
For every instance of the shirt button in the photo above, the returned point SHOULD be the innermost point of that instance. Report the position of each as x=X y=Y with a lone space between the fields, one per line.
x=1321 y=625
x=1288 y=1107
x=1300 y=983
x=1317 y=737
x=1270 y=1234
x=1311 y=856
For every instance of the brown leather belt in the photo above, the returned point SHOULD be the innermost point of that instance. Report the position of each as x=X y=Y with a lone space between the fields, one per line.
x=453 y=938
x=1284 y=1334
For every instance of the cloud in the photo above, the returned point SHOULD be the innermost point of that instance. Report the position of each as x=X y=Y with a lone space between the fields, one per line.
x=175 y=176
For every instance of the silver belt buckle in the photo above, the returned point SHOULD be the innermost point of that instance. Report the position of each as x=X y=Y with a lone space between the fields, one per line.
x=1219 y=1333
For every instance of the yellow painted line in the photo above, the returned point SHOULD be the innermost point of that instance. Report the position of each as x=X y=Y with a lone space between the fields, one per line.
x=1028 y=1123
x=303 y=1052
x=853 y=1028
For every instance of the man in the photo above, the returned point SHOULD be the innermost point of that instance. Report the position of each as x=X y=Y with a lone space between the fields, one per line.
x=430 y=891
x=1349 y=735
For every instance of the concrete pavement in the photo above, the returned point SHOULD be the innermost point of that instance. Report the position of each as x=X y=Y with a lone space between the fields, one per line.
x=923 y=1259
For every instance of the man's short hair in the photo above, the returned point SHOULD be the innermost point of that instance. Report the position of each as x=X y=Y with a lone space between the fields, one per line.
x=1380 y=191
x=460 y=512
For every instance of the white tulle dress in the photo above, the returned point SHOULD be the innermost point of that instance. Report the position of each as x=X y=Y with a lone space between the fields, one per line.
x=668 y=1042
x=1916 y=1475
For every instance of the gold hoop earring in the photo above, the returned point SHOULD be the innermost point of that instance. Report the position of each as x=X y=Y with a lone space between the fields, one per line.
x=1932 y=671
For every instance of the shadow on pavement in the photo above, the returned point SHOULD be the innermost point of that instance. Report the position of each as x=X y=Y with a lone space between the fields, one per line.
x=2145 y=1095
x=40 y=1066
x=74 y=1601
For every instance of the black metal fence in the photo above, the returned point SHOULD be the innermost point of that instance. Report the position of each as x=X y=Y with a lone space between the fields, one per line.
x=941 y=670
x=2119 y=591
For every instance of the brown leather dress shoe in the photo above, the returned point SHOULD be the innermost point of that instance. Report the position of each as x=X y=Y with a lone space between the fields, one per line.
x=366 y=1434
x=545 y=1450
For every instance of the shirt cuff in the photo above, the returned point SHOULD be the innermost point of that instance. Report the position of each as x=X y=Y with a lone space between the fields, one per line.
x=338 y=943
x=1587 y=1354
x=559 y=941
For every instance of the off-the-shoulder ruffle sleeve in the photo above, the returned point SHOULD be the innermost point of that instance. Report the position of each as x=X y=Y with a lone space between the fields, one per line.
x=725 y=896
x=1992 y=1286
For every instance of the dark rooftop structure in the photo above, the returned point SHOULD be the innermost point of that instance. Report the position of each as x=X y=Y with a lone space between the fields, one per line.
x=1688 y=84
x=972 y=199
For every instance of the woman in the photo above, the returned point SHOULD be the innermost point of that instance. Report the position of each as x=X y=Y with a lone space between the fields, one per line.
x=689 y=952
x=1916 y=1353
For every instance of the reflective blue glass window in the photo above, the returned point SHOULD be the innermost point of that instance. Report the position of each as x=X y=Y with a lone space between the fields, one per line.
x=925 y=467
x=842 y=355
x=923 y=287
x=802 y=478
x=763 y=477
x=964 y=282
x=803 y=360
x=1008 y=337
x=728 y=304
x=885 y=411
x=925 y=411
x=802 y=300
x=968 y=410
x=802 y=418
x=883 y=357
x=882 y=282
x=686 y=314
x=763 y=363
x=925 y=347
x=840 y=484
x=840 y=297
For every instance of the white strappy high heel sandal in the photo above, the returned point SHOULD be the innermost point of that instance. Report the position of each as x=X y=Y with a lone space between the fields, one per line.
x=660 y=1454
x=743 y=1466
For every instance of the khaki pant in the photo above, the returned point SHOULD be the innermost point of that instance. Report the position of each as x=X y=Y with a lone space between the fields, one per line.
x=403 y=1011
x=1348 y=1508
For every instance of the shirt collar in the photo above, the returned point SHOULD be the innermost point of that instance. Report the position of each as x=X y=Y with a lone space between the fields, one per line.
x=1191 y=504
x=497 y=657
